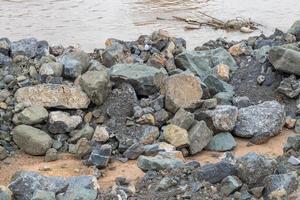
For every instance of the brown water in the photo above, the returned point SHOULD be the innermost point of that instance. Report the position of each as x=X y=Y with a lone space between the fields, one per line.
x=90 y=22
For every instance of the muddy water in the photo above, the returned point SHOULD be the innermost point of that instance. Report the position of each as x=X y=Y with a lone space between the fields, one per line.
x=90 y=22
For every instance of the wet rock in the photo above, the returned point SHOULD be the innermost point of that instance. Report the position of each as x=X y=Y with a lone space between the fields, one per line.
x=145 y=79
x=199 y=136
x=51 y=155
x=5 y=193
x=31 y=115
x=134 y=151
x=278 y=182
x=294 y=161
x=3 y=153
x=100 y=156
x=53 y=96
x=260 y=122
x=100 y=134
x=51 y=69
x=230 y=184
x=216 y=85
x=241 y=102
x=293 y=142
x=290 y=87
x=175 y=135
x=43 y=195
x=113 y=54
x=62 y=122
x=5 y=46
x=31 y=140
x=96 y=85
x=253 y=168
x=82 y=148
x=285 y=60
x=181 y=91
x=215 y=173
x=26 y=47
x=295 y=29
x=86 y=132
x=74 y=63
x=222 y=142
x=183 y=119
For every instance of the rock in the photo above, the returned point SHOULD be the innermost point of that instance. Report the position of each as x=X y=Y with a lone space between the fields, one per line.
x=53 y=96
x=83 y=148
x=290 y=123
x=274 y=183
x=215 y=173
x=290 y=87
x=5 y=60
x=224 y=98
x=166 y=183
x=5 y=193
x=113 y=54
x=183 y=119
x=241 y=102
x=294 y=161
x=260 y=79
x=43 y=195
x=224 y=117
x=240 y=49
x=31 y=140
x=86 y=132
x=96 y=85
x=74 y=63
x=295 y=29
x=260 y=122
x=3 y=153
x=62 y=122
x=159 y=162
x=181 y=91
x=5 y=46
x=230 y=184
x=145 y=79
x=51 y=69
x=209 y=103
x=26 y=47
x=216 y=85
x=285 y=60
x=222 y=72
x=31 y=115
x=221 y=142
x=176 y=136
x=134 y=151
x=100 y=156
x=51 y=155
x=293 y=142
x=257 y=191
x=77 y=193
x=253 y=168
x=246 y=30
x=199 y=136
x=100 y=134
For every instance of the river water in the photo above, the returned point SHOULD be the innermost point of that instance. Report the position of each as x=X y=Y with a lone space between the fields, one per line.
x=89 y=23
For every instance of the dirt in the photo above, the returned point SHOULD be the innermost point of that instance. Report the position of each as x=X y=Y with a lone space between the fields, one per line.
x=68 y=166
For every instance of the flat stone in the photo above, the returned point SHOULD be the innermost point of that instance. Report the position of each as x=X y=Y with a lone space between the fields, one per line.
x=43 y=195
x=175 y=135
x=53 y=96
x=62 y=122
x=31 y=115
x=222 y=142
x=100 y=156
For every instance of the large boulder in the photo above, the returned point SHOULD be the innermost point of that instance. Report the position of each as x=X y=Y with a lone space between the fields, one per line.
x=96 y=85
x=260 y=122
x=31 y=140
x=181 y=91
x=53 y=96
x=62 y=122
x=285 y=60
x=31 y=115
x=26 y=47
x=145 y=79
x=74 y=63
x=295 y=29
x=222 y=142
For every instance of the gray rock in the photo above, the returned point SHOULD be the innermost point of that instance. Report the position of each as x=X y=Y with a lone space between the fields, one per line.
x=43 y=195
x=5 y=46
x=134 y=151
x=145 y=79
x=293 y=142
x=5 y=193
x=78 y=193
x=31 y=140
x=53 y=96
x=290 y=87
x=100 y=134
x=280 y=182
x=295 y=29
x=113 y=54
x=260 y=122
x=51 y=155
x=199 y=136
x=26 y=47
x=166 y=183
x=175 y=135
x=3 y=153
x=253 y=168
x=241 y=102
x=86 y=132
x=285 y=60
x=183 y=119
x=230 y=184
x=224 y=98
x=221 y=142
x=297 y=126
x=74 y=63
x=96 y=85
x=51 y=69
x=31 y=115
x=294 y=161
x=82 y=148
x=216 y=85
x=62 y=122
x=100 y=156
x=262 y=53
x=5 y=60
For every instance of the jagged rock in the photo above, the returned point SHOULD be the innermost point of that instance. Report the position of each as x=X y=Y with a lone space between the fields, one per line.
x=53 y=96
x=295 y=29
x=224 y=98
x=82 y=148
x=96 y=85
x=100 y=134
x=241 y=102
x=74 y=63
x=113 y=54
x=31 y=115
x=51 y=155
x=290 y=87
x=181 y=91
x=199 y=136
x=240 y=49
x=5 y=193
x=31 y=140
x=260 y=122
x=222 y=72
x=5 y=46
x=274 y=183
x=216 y=85
x=293 y=142
x=62 y=122
x=100 y=156
x=253 y=168
x=285 y=60
x=183 y=119
x=43 y=195
x=230 y=184
x=51 y=69
x=145 y=79
x=3 y=153
x=222 y=142
x=209 y=103
x=134 y=151
x=25 y=47
x=175 y=135
x=86 y=132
